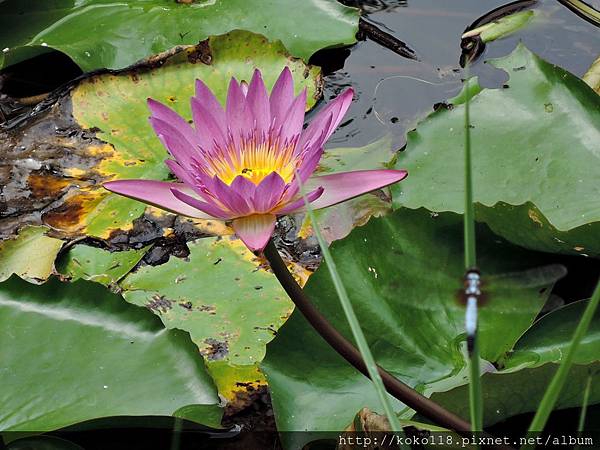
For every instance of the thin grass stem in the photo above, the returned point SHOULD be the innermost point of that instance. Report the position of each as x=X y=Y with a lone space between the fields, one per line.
x=475 y=395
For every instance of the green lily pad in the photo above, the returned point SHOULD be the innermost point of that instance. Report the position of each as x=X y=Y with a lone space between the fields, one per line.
x=95 y=264
x=109 y=34
x=519 y=387
x=403 y=273
x=73 y=352
x=222 y=296
x=116 y=105
x=534 y=148
x=30 y=255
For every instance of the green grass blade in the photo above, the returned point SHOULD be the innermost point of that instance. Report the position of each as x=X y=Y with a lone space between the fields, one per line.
x=584 y=404
x=357 y=333
x=475 y=397
x=560 y=377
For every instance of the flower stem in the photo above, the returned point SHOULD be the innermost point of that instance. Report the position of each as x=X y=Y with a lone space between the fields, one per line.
x=560 y=377
x=339 y=343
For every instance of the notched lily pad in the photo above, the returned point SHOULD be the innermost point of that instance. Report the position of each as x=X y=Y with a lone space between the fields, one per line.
x=534 y=146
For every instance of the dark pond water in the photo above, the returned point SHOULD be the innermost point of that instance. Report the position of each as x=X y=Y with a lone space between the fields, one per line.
x=393 y=92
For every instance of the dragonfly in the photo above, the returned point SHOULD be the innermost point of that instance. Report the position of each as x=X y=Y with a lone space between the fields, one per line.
x=478 y=291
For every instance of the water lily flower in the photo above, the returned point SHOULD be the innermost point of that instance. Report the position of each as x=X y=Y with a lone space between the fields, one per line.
x=245 y=163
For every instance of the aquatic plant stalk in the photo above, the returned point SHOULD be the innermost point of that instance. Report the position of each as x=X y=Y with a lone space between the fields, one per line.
x=584 y=404
x=475 y=397
x=560 y=377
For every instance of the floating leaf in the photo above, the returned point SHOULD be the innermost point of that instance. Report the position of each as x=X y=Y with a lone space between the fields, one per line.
x=30 y=255
x=534 y=147
x=73 y=352
x=403 y=273
x=520 y=386
x=502 y=27
x=230 y=305
x=104 y=33
x=95 y=264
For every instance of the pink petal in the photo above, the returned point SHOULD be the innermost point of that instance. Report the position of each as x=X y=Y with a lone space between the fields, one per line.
x=206 y=207
x=180 y=172
x=166 y=114
x=181 y=148
x=238 y=118
x=157 y=193
x=207 y=126
x=243 y=186
x=300 y=204
x=310 y=163
x=187 y=177
x=268 y=192
x=339 y=187
x=206 y=98
x=319 y=129
x=255 y=231
x=234 y=202
x=294 y=118
x=282 y=96
x=257 y=101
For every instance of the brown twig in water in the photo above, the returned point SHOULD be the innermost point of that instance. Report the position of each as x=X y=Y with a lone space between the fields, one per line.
x=407 y=395
x=385 y=39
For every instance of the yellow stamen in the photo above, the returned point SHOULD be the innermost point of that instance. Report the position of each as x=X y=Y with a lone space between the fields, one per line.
x=255 y=162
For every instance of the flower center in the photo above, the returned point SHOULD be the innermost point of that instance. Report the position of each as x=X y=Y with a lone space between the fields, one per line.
x=255 y=161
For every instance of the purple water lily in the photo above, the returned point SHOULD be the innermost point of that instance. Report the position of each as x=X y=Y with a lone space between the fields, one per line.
x=242 y=163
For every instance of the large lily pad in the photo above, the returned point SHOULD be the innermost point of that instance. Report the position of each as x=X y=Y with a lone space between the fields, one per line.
x=402 y=273
x=113 y=107
x=520 y=386
x=534 y=149
x=73 y=352
x=229 y=304
x=106 y=33
x=29 y=255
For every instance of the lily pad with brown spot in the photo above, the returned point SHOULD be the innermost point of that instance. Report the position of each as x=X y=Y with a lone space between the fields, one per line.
x=225 y=298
